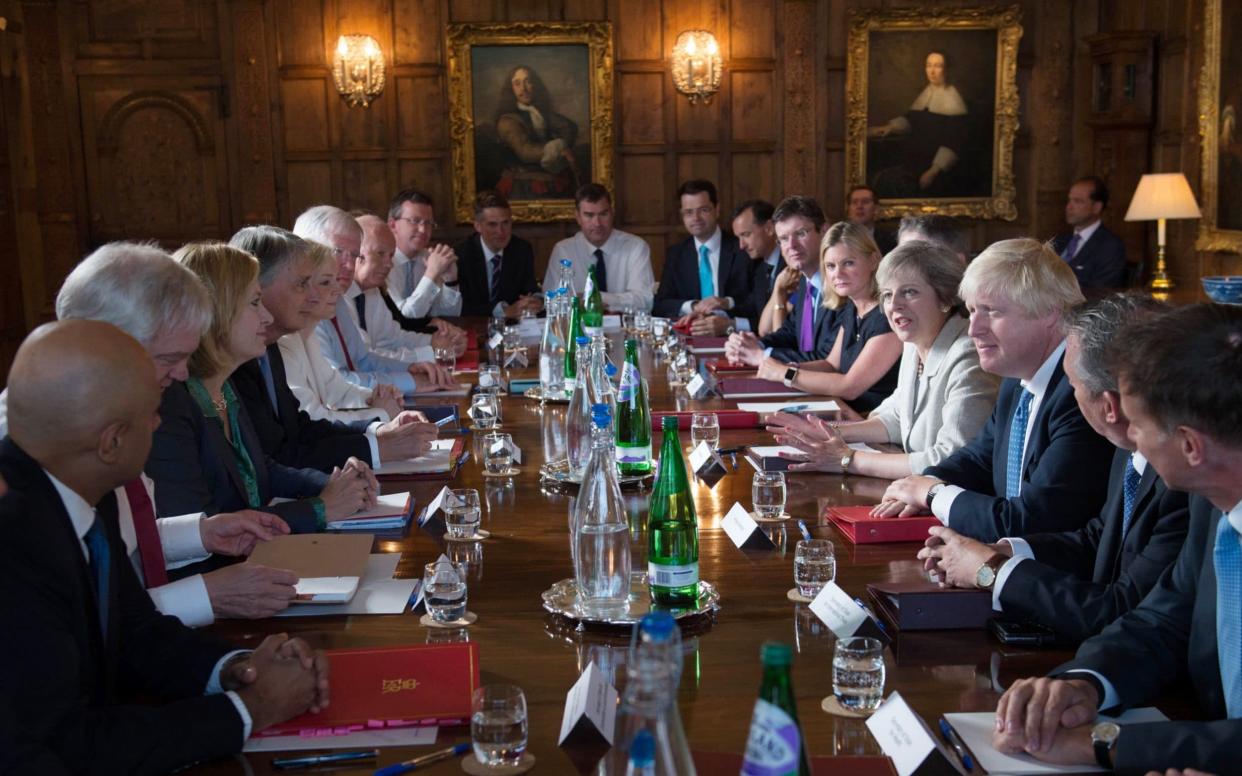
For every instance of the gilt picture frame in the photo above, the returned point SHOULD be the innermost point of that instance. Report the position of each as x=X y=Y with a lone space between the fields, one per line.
x=1220 y=128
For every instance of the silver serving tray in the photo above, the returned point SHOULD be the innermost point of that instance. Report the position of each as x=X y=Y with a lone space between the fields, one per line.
x=558 y=471
x=562 y=599
x=536 y=393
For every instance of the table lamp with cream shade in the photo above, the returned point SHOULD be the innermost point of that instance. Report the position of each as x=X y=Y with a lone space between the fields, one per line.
x=1159 y=197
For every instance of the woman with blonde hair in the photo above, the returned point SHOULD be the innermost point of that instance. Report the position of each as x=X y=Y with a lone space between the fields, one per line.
x=205 y=456
x=862 y=367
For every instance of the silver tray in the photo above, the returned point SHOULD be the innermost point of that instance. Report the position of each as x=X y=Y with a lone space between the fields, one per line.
x=536 y=393
x=562 y=599
x=558 y=471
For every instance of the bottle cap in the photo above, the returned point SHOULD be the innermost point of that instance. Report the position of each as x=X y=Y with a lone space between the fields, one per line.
x=583 y=340
x=657 y=626
x=610 y=369
x=669 y=422
x=776 y=653
x=565 y=262
x=642 y=750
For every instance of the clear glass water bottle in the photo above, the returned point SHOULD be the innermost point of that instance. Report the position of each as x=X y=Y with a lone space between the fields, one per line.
x=602 y=559
x=578 y=417
x=552 y=349
x=565 y=276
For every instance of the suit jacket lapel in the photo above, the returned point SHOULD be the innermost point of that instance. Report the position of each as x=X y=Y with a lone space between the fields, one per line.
x=1045 y=406
x=223 y=453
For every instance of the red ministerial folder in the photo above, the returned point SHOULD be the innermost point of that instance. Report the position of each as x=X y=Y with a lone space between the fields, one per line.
x=700 y=345
x=925 y=605
x=467 y=362
x=373 y=687
x=861 y=528
x=472 y=340
x=721 y=762
x=753 y=388
x=726 y=418
x=721 y=366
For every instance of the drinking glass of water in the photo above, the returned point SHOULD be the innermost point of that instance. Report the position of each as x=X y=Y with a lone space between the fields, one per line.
x=768 y=494
x=461 y=512
x=705 y=427
x=498 y=725
x=497 y=458
x=858 y=673
x=446 y=357
x=815 y=565
x=489 y=376
x=642 y=324
x=444 y=590
x=629 y=322
x=483 y=410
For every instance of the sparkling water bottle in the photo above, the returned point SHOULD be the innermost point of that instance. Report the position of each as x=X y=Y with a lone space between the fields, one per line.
x=775 y=744
x=633 y=416
x=565 y=276
x=672 y=529
x=574 y=332
x=592 y=306
x=578 y=417
x=552 y=349
x=602 y=559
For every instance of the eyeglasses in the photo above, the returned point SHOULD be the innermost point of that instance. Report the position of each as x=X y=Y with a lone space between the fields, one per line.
x=418 y=223
x=798 y=235
x=697 y=211
x=339 y=252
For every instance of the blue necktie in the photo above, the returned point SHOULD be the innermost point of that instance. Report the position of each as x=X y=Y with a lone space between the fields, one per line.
x=1129 y=494
x=1228 y=559
x=1071 y=247
x=97 y=545
x=1017 y=441
x=265 y=367
x=706 y=287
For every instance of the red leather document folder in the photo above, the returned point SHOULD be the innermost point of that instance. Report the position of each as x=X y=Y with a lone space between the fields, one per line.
x=925 y=605
x=720 y=366
x=467 y=362
x=472 y=340
x=726 y=418
x=709 y=345
x=861 y=528
x=722 y=762
x=753 y=388
x=375 y=687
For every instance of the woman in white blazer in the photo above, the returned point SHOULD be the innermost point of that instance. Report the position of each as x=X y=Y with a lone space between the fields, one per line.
x=322 y=392
x=943 y=396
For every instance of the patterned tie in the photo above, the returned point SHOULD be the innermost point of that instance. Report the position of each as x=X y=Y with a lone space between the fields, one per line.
x=349 y=362
x=808 y=320
x=496 y=260
x=360 y=304
x=1129 y=494
x=1071 y=247
x=101 y=561
x=1227 y=557
x=601 y=271
x=265 y=366
x=1017 y=441
x=706 y=287
x=150 y=550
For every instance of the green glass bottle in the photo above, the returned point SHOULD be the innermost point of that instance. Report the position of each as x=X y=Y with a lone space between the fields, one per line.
x=571 y=355
x=592 y=306
x=775 y=746
x=672 y=529
x=633 y=416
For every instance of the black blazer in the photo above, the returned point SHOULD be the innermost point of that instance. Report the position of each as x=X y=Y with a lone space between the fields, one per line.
x=1167 y=637
x=195 y=471
x=762 y=280
x=1100 y=261
x=679 y=282
x=60 y=674
x=1065 y=478
x=517 y=274
x=1082 y=580
x=786 y=342
x=292 y=437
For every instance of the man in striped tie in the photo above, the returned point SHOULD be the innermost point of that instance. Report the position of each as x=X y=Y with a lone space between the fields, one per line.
x=1179 y=374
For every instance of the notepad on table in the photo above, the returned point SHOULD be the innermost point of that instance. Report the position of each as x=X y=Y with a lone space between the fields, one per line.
x=392 y=511
x=438 y=460
x=768 y=407
x=329 y=566
x=768 y=458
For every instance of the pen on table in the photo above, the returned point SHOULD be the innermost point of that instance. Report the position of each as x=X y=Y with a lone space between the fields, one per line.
x=427 y=759
x=444 y=421
x=806 y=534
x=287 y=763
x=956 y=742
x=729 y=450
x=793 y=410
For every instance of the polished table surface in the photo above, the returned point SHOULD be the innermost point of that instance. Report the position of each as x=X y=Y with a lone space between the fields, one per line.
x=528 y=551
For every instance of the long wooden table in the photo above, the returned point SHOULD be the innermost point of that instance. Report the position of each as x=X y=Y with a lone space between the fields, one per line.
x=528 y=551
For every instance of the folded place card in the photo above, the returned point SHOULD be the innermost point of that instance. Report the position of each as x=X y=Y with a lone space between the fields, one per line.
x=515 y=452
x=905 y=738
x=612 y=323
x=495 y=340
x=590 y=709
x=743 y=531
x=707 y=464
x=432 y=514
x=698 y=387
x=844 y=616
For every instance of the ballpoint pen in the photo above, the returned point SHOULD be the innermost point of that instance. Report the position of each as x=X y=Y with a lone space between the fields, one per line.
x=956 y=742
x=427 y=759
x=794 y=410
x=288 y=763
x=806 y=534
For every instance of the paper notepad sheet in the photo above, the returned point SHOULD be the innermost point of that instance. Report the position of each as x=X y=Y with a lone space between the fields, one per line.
x=378 y=592
x=767 y=407
x=439 y=459
x=359 y=739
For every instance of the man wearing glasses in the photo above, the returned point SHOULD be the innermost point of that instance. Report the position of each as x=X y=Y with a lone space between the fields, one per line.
x=423 y=280
x=706 y=274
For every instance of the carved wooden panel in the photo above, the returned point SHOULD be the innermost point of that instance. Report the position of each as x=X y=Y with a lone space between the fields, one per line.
x=431 y=176
x=362 y=128
x=417 y=26
x=476 y=10
x=695 y=166
x=421 y=107
x=697 y=122
x=255 y=178
x=638 y=30
x=682 y=15
x=752 y=29
x=309 y=183
x=753 y=101
x=160 y=29
x=305 y=113
x=754 y=175
x=365 y=185
x=641 y=107
x=642 y=193
x=300 y=33
x=585 y=10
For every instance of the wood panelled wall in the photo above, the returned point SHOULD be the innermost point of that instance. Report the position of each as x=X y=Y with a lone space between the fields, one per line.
x=183 y=119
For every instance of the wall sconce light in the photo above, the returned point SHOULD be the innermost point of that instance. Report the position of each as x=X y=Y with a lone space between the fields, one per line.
x=697 y=67
x=358 y=69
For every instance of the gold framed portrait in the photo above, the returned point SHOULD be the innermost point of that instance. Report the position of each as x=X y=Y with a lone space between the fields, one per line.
x=530 y=113
x=931 y=110
x=1220 y=127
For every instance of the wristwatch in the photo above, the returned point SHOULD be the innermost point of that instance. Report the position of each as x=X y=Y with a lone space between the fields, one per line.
x=1103 y=740
x=791 y=374
x=846 y=460
x=933 y=491
x=985 y=577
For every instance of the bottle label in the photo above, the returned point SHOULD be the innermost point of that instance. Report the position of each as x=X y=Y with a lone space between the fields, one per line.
x=774 y=744
x=571 y=383
x=633 y=453
x=629 y=383
x=672 y=575
x=591 y=331
x=545 y=369
x=589 y=288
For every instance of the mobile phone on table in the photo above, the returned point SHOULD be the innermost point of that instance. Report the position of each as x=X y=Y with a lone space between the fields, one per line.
x=1030 y=634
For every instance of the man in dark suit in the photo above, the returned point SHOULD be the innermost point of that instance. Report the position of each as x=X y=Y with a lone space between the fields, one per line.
x=1097 y=256
x=861 y=207
x=1077 y=582
x=799 y=229
x=1036 y=465
x=496 y=270
x=756 y=234
x=707 y=273
x=1189 y=625
x=81 y=634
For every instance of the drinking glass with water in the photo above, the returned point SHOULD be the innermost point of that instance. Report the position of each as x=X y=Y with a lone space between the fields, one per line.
x=461 y=512
x=858 y=673
x=642 y=324
x=444 y=590
x=768 y=494
x=489 y=377
x=705 y=427
x=446 y=357
x=483 y=410
x=497 y=458
x=498 y=725
x=815 y=565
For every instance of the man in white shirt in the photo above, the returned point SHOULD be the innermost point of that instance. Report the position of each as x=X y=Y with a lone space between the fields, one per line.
x=423 y=280
x=621 y=260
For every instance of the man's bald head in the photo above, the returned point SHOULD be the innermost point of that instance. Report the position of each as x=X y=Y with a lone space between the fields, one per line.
x=378 y=245
x=83 y=391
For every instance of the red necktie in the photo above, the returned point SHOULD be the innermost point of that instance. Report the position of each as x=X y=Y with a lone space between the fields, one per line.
x=150 y=551
x=349 y=362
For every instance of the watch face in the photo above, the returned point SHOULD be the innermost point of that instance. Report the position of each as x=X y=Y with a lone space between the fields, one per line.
x=1105 y=732
x=985 y=576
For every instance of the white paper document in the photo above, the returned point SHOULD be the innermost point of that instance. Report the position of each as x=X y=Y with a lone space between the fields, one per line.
x=462 y=389
x=767 y=407
x=378 y=592
x=438 y=459
x=361 y=739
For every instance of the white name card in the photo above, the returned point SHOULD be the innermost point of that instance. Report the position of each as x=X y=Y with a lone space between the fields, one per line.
x=906 y=739
x=494 y=341
x=743 y=531
x=612 y=323
x=844 y=616
x=515 y=452
x=433 y=507
x=590 y=708
x=707 y=464
x=697 y=387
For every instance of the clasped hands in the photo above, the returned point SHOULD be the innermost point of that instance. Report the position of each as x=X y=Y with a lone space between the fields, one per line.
x=703 y=320
x=743 y=347
x=279 y=680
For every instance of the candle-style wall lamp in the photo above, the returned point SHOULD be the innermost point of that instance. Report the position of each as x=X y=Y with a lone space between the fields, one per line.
x=358 y=69
x=697 y=67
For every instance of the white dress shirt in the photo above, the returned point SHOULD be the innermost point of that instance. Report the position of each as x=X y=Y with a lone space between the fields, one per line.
x=82 y=516
x=362 y=366
x=382 y=333
x=713 y=258
x=627 y=261
x=416 y=295
x=1084 y=234
x=321 y=391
